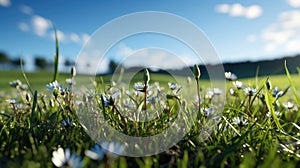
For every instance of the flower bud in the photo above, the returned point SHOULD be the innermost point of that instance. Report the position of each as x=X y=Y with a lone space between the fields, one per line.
x=73 y=71
x=56 y=93
x=28 y=97
x=146 y=76
x=269 y=85
x=197 y=72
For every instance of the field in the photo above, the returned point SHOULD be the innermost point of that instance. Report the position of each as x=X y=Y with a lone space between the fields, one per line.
x=39 y=79
x=54 y=125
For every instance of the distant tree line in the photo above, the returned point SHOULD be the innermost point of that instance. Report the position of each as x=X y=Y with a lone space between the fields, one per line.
x=40 y=62
x=4 y=59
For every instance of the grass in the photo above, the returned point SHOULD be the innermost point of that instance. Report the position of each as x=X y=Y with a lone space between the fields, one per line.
x=258 y=125
x=38 y=79
x=246 y=136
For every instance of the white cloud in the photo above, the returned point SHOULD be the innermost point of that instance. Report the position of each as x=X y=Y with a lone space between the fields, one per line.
x=85 y=37
x=283 y=33
x=294 y=3
x=235 y=10
x=277 y=36
x=253 y=11
x=289 y=19
x=40 y=25
x=26 y=9
x=24 y=27
x=5 y=3
x=251 y=38
x=293 y=46
x=60 y=36
x=124 y=51
x=75 y=38
x=79 y=39
x=222 y=8
x=270 y=47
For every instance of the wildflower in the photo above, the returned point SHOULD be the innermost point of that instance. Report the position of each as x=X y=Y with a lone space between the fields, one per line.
x=55 y=88
x=206 y=111
x=238 y=84
x=173 y=86
x=275 y=91
x=250 y=91
x=209 y=94
x=53 y=85
x=61 y=158
x=288 y=105
x=114 y=92
x=23 y=87
x=114 y=148
x=230 y=76
x=15 y=83
x=19 y=106
x=232 y=92
x=95 y=153
x=11 y=101
x=69 y=89
x=240 y=121
x=279 y=93
x=277 y=113
x=107 y=100
x=67 y=122
x=139 y=86
x=152 y=100
x=217 y=91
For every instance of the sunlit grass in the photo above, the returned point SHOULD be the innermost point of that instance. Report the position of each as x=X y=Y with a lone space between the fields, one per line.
x=254 y=130
x=50 y=125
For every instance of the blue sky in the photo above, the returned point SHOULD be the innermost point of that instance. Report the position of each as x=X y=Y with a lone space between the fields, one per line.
x=238 y=30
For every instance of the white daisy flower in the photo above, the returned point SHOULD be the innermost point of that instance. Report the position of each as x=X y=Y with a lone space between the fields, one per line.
x=95 y=153
x=61 y=158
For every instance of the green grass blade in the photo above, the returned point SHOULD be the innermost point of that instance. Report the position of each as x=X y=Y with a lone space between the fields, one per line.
x=25 y=77
x=256 y=76
x=56 y=56
x=291 y=83
x=271 y=108
x=34 y=104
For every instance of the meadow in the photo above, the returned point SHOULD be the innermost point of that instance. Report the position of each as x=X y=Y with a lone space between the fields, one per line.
x=41 y=127
x=49 y=119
